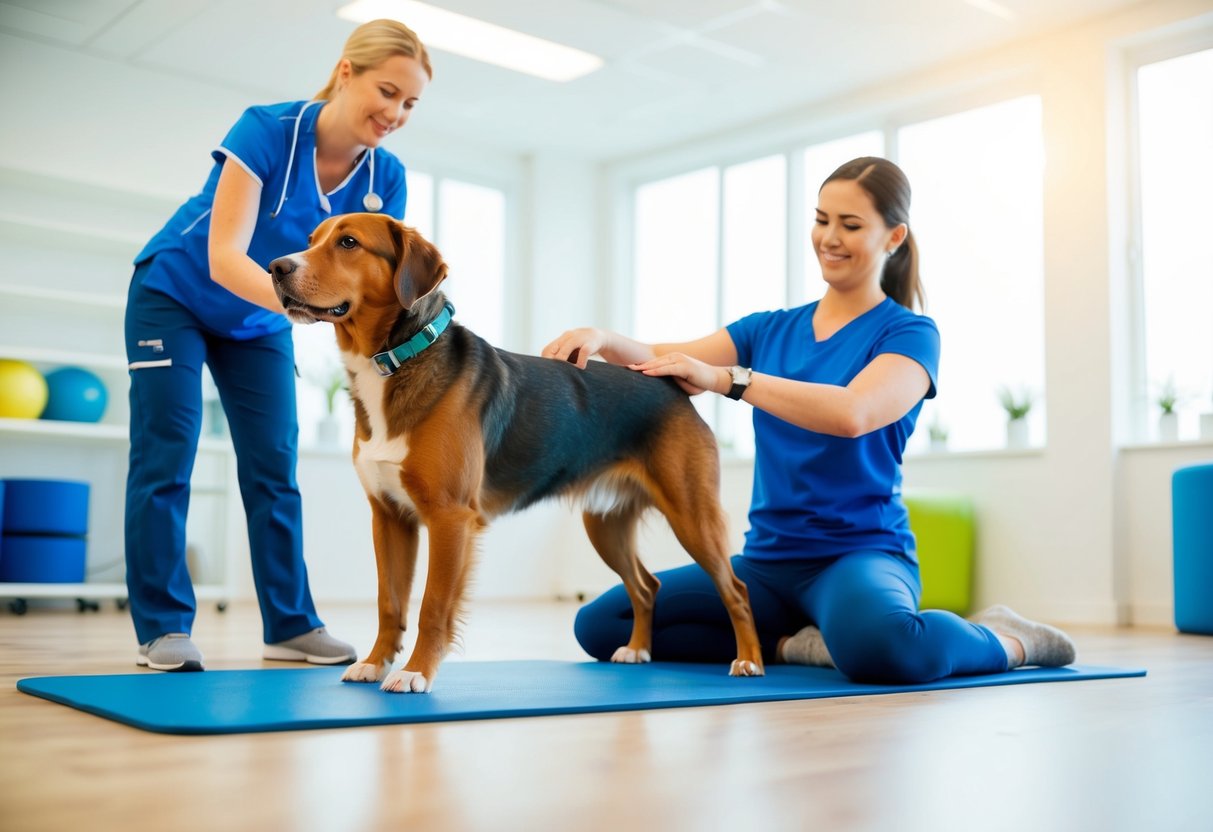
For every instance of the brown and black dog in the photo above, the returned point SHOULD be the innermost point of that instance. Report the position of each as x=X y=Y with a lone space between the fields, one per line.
x=452 y=432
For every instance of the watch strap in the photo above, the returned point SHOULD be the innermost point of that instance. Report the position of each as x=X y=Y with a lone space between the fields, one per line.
x=739 y=387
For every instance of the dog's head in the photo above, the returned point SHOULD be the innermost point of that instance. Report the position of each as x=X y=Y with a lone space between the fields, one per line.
x=357 y=265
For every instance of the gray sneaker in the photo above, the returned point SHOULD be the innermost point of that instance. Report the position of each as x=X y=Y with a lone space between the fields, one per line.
x=315 y=647
x=171 y=652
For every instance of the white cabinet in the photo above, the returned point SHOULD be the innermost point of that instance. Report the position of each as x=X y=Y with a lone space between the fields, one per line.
x=65 y=264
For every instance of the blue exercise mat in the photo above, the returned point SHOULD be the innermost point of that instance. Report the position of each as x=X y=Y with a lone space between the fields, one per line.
x=243 y=701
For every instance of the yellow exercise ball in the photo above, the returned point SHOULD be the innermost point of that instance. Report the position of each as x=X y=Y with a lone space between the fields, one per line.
x=23 y=390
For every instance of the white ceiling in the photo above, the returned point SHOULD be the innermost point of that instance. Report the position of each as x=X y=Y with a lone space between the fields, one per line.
x=675 y=69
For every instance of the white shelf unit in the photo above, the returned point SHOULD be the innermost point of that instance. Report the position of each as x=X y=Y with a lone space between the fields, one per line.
x=65 y=264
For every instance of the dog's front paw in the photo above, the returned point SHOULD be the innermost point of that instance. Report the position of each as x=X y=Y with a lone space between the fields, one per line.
x=406 y=681
x=626 y=655
x=364 y=672
x=740 y=667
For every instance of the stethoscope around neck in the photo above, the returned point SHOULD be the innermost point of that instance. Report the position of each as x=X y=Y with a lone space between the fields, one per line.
x=371 y=201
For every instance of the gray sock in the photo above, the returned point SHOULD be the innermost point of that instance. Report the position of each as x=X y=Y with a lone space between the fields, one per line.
x=807 y=647
x=1043 y=646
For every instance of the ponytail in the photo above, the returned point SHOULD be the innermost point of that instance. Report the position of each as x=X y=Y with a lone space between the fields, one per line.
x=900 y=277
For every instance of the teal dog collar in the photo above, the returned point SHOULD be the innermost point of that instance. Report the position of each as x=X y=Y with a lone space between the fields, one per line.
x=389 y=361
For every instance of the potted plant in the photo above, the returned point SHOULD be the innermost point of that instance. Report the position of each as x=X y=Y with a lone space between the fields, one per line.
x=331 y=381
x=1017 y=406
x=1168 y=420
x=938 y=432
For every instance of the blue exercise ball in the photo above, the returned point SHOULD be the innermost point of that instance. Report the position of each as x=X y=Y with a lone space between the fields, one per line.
x=75 y=395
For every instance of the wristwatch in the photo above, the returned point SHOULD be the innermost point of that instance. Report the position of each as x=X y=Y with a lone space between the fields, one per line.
x=741 y=380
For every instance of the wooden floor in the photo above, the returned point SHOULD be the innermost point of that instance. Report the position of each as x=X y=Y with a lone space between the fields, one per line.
x=1132 y=754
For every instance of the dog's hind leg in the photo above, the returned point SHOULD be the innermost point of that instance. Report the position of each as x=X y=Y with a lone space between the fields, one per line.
x=614 y=537
x=684 y=473
x=395 y=537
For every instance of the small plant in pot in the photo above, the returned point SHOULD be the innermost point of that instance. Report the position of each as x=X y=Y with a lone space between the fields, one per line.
x=1017 y=406
x=938 y=432
x=331 y=380
x=1168 y=419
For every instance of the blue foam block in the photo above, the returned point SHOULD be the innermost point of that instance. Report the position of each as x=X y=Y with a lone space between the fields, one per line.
x=45 y=507
x=244 y=701
x=33 y=559
x=1192 y=534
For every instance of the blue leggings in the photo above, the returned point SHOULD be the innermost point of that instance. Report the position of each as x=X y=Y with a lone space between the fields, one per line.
x=865 y=603
x=167 y=346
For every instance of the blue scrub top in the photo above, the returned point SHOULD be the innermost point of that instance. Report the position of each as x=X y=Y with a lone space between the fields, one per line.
x=276 y=145
x=817 y=495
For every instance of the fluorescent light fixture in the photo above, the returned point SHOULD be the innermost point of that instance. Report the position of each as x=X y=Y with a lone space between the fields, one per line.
x=478 y=40
x=992 y=7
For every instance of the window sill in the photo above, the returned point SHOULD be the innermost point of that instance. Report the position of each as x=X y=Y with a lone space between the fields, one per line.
x=734 y=460
x=982 y=453
x=1182 y=444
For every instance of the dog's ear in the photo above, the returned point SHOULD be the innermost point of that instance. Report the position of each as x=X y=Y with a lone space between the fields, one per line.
x=419 y=265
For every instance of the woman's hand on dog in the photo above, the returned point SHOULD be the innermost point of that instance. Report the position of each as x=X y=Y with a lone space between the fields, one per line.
x=692 y=375
x=576 y=346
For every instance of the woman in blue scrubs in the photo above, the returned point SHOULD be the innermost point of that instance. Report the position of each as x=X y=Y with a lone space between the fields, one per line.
x=836 y=385
x=201 y=294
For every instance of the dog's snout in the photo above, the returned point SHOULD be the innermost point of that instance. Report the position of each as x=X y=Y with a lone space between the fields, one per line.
x=282 y=268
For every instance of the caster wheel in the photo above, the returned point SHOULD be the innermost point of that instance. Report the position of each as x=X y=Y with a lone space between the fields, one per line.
x=84 y=605
x=18 y=606
x=122 y=603
x=221 y=606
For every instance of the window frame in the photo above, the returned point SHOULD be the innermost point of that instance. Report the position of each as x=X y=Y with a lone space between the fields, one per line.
x=515 y=322
x=516 y=313
x=1138 y=401
x=791 y=140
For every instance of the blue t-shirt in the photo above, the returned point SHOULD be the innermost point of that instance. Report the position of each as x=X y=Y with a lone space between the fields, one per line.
x=817 y=495
x=276 y=145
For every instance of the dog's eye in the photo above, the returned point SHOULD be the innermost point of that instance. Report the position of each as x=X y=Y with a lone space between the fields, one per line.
x=347 y=242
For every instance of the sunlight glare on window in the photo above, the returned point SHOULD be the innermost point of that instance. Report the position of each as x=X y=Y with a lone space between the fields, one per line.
x=419 y=206
x=1175 y=118
x=674 y=293
x=977 y=180
x=755 y=271
x=471 y=227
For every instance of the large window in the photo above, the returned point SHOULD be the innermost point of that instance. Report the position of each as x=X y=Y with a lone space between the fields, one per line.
x=1175 y=164
x=467 y=222
x=676 y=278
x=977 y=181
x=712 y=245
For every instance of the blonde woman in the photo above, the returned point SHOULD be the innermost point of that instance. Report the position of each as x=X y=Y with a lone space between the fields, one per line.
x=201 y=294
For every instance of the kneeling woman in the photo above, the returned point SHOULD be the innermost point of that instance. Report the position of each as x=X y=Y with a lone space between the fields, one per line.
x=837 y=386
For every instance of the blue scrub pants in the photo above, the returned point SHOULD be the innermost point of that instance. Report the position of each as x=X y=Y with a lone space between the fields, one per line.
x=864 y=603
x=256 y=382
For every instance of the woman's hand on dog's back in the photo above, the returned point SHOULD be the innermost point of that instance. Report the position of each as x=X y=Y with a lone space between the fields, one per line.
x=577 y=346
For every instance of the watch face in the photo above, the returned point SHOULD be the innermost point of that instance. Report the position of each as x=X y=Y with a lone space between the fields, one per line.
x=740 y=377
